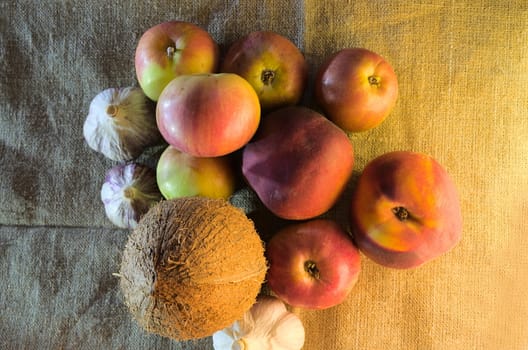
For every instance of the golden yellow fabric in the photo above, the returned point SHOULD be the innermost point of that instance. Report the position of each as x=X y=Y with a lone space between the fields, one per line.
x=462 y=68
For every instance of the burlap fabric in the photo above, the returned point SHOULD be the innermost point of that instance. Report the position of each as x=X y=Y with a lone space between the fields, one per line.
x=462 y=68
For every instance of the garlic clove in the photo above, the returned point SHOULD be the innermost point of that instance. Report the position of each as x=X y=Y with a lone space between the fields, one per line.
x=254 y=343
x=268 y=310
x=225 y=339
x=288 y=333
x=268 y=325
x=121 y=123
x=128 y=192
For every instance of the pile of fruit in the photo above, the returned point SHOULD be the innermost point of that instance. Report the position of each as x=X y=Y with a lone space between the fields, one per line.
x=240 y=115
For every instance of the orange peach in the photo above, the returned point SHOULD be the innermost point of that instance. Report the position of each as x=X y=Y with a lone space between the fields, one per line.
x=357 y=89
x=313 y=264
x=405 y=210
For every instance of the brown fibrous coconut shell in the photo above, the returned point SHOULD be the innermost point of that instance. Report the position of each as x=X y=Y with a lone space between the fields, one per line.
x=191 y=267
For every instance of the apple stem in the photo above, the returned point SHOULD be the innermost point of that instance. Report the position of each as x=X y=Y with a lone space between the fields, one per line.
x=267 y=77
x=170 y=51
x=374 y=80
x=311 y=268
x=111 y=110
x=401 y=213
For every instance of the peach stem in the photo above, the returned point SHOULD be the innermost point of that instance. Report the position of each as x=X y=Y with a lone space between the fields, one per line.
x=311 y=268
x=374 y=80
x=401 y=213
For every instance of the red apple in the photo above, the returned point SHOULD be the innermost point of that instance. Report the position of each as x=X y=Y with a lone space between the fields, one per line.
x=171 y=49
x=272 y=64
x=208 y=115
x=405 y=210
x=313 y=264
x=298 y=163
x=181 y=175
x=356 y=88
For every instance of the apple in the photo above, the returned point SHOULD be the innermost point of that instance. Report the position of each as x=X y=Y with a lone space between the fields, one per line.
x=313 y=264
x=356 y=88
x=405 y=210
x=208 y=115
x=171 y=49
x=272 y=64
x=299 y=163
x=181 y=175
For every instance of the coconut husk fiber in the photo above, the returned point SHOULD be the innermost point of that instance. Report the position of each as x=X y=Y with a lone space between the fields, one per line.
x=191 y=267
x=463 y=77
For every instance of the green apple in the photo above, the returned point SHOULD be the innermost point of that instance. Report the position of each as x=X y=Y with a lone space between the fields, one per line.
x=171 y=49
x=272 y=64
x=180 y=175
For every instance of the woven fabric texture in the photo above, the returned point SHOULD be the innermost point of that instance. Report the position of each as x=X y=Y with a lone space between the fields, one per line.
x=462 y=68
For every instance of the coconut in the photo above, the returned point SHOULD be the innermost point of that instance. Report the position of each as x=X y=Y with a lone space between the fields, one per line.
x=191 y=267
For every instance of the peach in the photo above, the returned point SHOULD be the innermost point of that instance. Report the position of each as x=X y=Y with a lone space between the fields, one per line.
x=405 y=210
x=299 y=163
x=357 y=89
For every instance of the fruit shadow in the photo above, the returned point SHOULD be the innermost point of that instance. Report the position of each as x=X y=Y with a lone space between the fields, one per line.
x=267 y=223
x=340 y=211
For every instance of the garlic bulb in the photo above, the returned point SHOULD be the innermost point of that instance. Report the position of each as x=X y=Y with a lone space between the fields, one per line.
x=128 y=192
x=268 y=325
x=121 y=124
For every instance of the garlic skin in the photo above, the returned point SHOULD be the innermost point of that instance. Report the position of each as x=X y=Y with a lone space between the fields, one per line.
x=268 y=325
x=128 y=192
x=121 y=124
